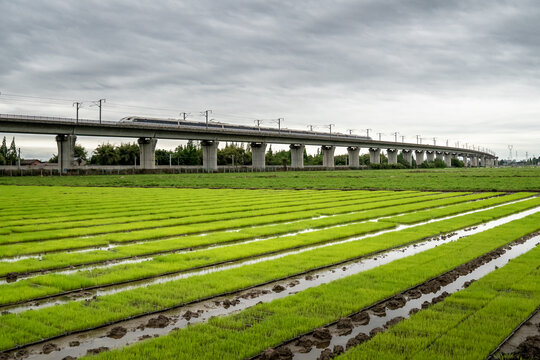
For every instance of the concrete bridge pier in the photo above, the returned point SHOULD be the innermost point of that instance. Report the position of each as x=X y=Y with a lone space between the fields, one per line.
x=439 y=155
x=407 y=155
x=419 y=156
x=66 y=151
x=328 y=156
x=392 y=156
x=374 y=155
x=258 y=155
x=447 y=159
x=474 y=161
x=147 y=153
x=297 y=156
x=209 y=150
x=464 y=159
x=430 y=154
x=354 y=156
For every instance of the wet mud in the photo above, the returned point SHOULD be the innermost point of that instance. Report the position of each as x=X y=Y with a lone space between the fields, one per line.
x=523 y=343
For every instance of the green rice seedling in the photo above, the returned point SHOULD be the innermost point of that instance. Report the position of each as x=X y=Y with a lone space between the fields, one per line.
x=183 y=210
x=55 y=260
x=302 y=212
x=239 y=336
x=398 y=275
x=226 y=214
x=468 y=324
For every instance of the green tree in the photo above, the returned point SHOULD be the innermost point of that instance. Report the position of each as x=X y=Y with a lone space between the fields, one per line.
x=12 y=153
x=457 y=163
x=187 y=155
x=401 y=160
x=316 y=159
x=2 y=159
x=277 y=158
x=364 y=159
x=241 y=156
x=105 y=154
x=4 y=149
x=342 y=159
x=128 y=153
x=80 y=153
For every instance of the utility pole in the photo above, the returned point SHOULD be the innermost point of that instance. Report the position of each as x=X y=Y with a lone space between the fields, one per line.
x=367 y=132
x=77 y=107
x=434 y=141
x=278 y=122
x=206 y=113
x=446 y=142
x=311 y=127
x=379 y=136
x=19 y=159
x=350 y=131
x=395 y=136
x=99 y=103
x=418 y=139
x=402 y=138
x=258 y=124
x=170 y=160
x=184 y=116
x=330 y=127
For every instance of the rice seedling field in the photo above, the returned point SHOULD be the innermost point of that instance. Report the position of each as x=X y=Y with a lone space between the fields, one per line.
x=119 y=272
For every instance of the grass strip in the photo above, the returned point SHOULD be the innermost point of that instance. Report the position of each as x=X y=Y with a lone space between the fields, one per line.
x=468 y=324
x=30 y=326
x=453 y=179
x=253 y=330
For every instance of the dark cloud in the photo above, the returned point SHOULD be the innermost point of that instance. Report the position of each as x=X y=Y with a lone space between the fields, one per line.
x=457 y=69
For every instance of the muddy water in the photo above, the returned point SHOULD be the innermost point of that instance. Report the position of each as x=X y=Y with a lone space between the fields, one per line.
x=132 y=331
x=87 y=295
x=380 y=318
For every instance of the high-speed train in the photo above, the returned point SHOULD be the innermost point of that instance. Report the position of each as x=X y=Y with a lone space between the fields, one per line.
x=225 y=126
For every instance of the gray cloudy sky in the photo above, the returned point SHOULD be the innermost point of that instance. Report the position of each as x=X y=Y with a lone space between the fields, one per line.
x=466 y=71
